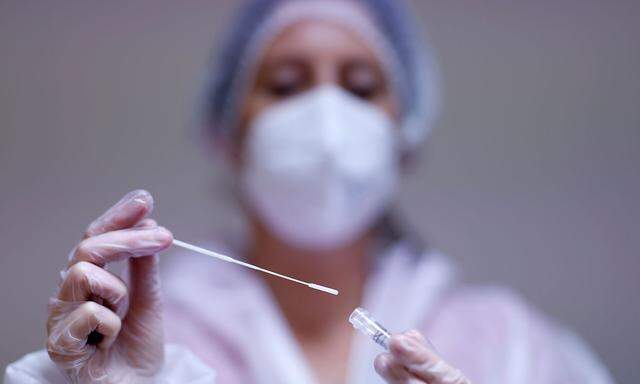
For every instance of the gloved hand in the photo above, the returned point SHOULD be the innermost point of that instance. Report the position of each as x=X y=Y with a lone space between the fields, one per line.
x=411 y=360
x=99 y=329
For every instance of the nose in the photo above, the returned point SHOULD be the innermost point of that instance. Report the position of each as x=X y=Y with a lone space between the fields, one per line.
x=326 y=72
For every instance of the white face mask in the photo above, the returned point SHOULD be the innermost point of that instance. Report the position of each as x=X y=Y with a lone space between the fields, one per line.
x=320 y=168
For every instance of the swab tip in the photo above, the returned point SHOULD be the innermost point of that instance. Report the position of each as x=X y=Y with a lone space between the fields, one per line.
x=324 y=289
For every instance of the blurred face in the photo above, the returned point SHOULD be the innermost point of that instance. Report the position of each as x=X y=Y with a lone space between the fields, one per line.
x=309 y=54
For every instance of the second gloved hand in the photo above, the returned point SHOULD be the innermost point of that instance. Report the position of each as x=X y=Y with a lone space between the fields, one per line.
x=411 y=360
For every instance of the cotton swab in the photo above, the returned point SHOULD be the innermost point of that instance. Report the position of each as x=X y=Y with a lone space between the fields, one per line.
x=228 y=259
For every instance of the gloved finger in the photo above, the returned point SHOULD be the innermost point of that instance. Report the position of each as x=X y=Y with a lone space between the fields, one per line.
x=121 y=244
x=410 y=349
x=143 y=322
x=124 y=214
x=144 y=275
x=392 y=371
x=67 y=341
x=144 y=319
x=88 y=282
x=143 y=271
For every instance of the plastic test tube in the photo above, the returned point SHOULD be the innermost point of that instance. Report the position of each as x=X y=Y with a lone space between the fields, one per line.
x=362 y=320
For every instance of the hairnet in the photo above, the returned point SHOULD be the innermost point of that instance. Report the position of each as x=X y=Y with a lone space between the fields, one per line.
x=414 y=73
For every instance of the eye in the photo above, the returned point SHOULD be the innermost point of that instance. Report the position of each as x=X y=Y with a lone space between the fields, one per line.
x=286 y=79
x=362 y=80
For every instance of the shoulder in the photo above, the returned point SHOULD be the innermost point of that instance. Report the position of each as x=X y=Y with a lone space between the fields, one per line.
x=495 y=317
x=495 y=304
x=505 y=328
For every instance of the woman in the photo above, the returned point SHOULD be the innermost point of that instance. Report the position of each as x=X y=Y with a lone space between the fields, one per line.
x=317 y=106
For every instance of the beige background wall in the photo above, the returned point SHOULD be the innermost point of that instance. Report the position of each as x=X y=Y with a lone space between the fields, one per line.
x=531 y=179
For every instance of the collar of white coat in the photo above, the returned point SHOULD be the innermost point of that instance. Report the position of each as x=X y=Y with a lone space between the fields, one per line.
x=401 y=291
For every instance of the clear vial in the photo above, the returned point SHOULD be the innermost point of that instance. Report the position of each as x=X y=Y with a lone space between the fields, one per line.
x=362 y=320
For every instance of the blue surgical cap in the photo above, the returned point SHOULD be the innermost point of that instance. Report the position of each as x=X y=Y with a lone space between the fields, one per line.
x=416 y=69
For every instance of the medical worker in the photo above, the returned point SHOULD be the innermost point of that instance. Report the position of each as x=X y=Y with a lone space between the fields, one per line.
x=317 y=106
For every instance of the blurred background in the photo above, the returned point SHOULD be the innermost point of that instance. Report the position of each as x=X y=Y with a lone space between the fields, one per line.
x=530 y=180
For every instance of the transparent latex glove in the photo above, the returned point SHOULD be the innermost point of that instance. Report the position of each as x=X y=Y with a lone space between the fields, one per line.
x=411 y=360
x=99 y=328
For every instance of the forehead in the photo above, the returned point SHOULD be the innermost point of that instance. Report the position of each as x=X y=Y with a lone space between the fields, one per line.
x=313 y=38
